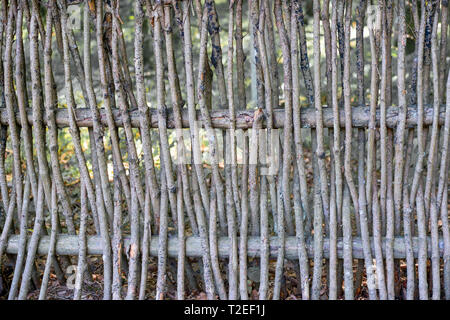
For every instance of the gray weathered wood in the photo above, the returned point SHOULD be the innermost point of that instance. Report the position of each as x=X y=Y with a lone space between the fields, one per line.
x=244 y=118
x=68 y=245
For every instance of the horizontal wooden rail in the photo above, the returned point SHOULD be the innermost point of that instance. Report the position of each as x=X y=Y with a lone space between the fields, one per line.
x=68 y=245
x=244 y=118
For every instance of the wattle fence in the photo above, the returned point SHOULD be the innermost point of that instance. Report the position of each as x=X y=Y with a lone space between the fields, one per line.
x=300 y=141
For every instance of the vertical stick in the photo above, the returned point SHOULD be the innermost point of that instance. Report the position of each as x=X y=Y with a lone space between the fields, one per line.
x=181 y=242
x=422 y=253
x=51 y=247
x=117 y=243
x=10 y=102
x=407 y=223
x=303 y=206
x=22 y=243
x=319 y=116
x=162 y=239
x=234 y=188
x=264 y=221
